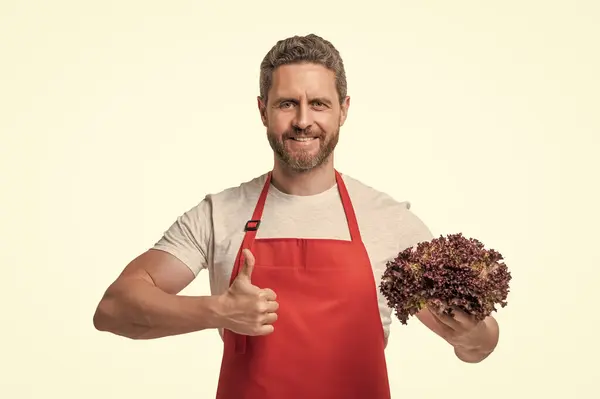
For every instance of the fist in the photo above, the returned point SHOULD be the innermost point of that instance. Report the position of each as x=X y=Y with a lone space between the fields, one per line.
x=248 y=309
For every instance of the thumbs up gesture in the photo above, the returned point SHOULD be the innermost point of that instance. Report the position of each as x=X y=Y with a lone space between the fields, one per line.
x=248 y=309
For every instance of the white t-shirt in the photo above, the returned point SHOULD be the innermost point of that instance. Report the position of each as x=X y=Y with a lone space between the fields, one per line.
x=209 y=235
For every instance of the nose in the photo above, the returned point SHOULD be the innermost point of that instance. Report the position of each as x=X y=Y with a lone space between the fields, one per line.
x=303 y=118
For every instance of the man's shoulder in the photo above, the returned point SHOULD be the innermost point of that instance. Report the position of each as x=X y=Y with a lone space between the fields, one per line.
x=240 y=192
x=374 y=198
x=379 y=213
x=236 y=200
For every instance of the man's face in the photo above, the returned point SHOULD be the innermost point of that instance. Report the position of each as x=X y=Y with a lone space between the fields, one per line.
x=303 y=115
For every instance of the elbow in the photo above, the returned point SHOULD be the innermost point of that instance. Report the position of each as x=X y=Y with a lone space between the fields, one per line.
x=107 y=314
x=102 y=316
x=112 y=318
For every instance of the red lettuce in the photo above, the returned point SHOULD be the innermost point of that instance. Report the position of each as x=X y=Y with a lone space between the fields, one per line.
x=446 y=272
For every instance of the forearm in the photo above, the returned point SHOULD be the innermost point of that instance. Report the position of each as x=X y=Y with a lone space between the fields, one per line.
x=138 y=310
x=480 y=344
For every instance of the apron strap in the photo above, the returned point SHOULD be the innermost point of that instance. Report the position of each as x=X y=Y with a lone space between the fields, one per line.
x=251 y=227
x=348 y=209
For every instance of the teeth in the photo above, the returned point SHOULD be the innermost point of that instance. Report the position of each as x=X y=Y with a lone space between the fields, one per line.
x=303 y=138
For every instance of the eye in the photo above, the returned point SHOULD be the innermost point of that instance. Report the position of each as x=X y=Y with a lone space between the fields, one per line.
x=285 y=104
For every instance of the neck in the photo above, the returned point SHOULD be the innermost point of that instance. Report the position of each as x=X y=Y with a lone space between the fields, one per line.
x=311 y=182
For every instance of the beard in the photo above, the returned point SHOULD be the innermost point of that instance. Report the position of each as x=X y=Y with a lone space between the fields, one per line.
x=303 y=161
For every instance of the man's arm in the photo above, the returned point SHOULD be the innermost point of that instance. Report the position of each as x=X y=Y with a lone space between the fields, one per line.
x=143 y=303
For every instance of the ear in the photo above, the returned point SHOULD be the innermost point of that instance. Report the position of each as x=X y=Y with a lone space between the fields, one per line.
x=344 y=110
x=262 y=109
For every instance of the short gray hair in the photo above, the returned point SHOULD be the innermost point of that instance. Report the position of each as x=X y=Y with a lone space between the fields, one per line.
x=297 y=49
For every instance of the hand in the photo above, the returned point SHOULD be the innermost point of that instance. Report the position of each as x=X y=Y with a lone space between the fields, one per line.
x=247 y=309
x=460 y=329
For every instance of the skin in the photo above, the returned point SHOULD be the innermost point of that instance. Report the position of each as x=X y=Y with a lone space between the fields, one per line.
x=142 y=303
x=302 y=102
x=472 y=340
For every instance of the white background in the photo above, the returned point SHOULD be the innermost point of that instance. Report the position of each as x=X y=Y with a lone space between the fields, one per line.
x=116 y=117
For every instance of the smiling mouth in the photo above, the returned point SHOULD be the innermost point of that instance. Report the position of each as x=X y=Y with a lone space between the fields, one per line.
x=302 y=138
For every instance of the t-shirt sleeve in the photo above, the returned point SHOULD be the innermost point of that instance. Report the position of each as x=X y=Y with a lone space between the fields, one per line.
x=414 y=230
x=190 y=237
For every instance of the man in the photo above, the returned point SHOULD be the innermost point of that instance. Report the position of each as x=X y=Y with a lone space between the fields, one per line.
x=294 y=257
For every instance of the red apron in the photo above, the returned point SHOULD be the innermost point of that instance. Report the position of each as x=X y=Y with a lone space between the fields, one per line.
x=328 y=341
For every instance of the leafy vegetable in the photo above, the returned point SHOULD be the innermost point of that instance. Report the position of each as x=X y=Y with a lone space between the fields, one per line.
x=446 y=272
